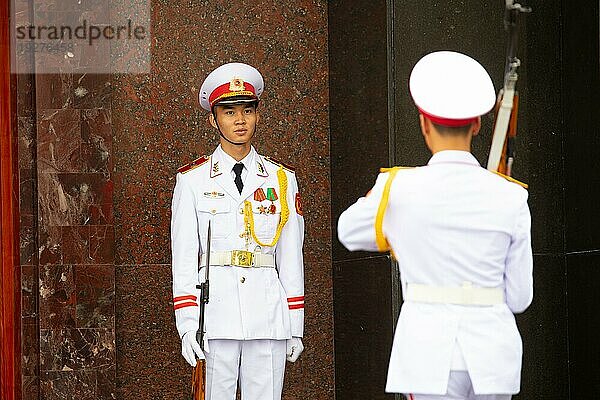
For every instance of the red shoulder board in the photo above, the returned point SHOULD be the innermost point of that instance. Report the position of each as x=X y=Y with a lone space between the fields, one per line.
x=279 y=163
x=194 y=164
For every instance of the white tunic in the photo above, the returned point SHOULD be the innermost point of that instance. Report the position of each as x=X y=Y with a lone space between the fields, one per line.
x=448 y=223
x=244 y=303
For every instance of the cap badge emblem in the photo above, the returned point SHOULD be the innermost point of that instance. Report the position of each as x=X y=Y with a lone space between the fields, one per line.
x=236 y=85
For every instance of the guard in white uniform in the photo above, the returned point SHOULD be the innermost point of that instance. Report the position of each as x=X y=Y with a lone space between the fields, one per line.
x=255 y=314
x=461 y=235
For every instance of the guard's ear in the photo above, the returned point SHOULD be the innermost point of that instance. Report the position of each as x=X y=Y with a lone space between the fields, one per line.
x=212 y=121
x=476 y=126
x=426 y=130
x=425 y=125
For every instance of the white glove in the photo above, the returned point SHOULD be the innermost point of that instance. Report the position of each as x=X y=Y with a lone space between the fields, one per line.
x=190 y=349
x=294 y=349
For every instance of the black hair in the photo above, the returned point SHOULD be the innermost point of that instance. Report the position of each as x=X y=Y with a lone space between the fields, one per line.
x=446 y=130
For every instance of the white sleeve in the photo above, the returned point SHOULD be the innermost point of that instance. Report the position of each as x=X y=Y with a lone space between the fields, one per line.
x=185 y=247
x=518 y=275
x=356 y=225
x=289 y=258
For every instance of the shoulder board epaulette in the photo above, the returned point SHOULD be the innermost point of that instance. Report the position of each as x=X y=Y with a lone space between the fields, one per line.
x=511 y=179
x=392 y=168
x=279 y=163
x=194 y=164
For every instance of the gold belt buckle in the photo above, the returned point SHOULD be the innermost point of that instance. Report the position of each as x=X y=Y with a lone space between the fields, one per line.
x=242 y=258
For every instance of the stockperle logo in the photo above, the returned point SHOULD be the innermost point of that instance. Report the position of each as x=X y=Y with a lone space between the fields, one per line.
x=90 y=36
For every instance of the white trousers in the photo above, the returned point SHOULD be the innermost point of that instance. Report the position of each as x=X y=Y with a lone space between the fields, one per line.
x=459 y=388
x=259 y=365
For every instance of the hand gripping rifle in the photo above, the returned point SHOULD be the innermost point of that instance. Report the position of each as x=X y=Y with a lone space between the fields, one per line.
x=199 y=375
x=502 y=152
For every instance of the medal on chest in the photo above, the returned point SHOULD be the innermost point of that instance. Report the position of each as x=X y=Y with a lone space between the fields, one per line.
x=260 y=197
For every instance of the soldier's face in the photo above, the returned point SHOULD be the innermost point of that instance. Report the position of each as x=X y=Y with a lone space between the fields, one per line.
x=237 y=122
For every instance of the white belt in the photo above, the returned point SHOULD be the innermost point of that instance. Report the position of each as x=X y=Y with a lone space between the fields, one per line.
x=240 y=258
x=464 y=295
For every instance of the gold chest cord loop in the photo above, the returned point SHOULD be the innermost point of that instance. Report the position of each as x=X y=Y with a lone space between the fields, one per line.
x=285 y=212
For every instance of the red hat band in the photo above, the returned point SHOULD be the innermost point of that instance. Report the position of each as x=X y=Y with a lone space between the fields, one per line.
x=448 y=121
x=231 y=89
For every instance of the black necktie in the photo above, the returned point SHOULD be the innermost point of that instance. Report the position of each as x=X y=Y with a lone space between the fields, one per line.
x=237 y=168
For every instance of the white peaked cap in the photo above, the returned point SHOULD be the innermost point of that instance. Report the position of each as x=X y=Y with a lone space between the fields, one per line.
x=451 y=88
x=231 y=83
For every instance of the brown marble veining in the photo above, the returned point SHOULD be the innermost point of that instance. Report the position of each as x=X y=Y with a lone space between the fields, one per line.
x=101 y=214
x=53 y=91
x=29 y=285
x=101 y=249
x=27 y=135
x=67 y=199
x=95 y=384
x=61 y=385
x=69 y=144
x=92 y=91
x=76 y=349
x=27 y=240
x=28 y=233
x=50 y=249
x=59 y=140
x=30 y=387
x=29 y=346
x=95 y=293
x=57 y=297
x=76 y=244
x=26 y=191
x=96 y=135
x=25 y=87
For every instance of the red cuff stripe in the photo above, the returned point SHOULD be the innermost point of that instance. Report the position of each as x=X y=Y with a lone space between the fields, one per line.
x=190 y=297
x=186 y=304
x=299 y=298
x=296 y=306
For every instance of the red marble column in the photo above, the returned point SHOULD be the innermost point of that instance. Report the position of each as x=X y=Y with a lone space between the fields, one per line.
x=9 y=270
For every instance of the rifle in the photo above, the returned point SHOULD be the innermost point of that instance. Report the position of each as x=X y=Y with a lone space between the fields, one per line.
x=199 y=375
x=502 y=152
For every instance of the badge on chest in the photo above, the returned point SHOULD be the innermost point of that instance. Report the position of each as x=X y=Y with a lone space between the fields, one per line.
x=265 y=203
x=213 y=195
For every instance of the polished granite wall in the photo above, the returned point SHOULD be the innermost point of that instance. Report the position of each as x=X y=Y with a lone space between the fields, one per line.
x=580 y=83
x=159 y=126
x=363 y=293
x=98 y=157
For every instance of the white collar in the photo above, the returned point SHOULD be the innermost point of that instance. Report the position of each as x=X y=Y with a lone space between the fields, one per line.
x=227 y=162
x=453 y=157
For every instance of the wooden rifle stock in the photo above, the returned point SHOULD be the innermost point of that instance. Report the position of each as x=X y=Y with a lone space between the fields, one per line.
x=506 y=157
x=505 y=122
x=199 y=381
x=199 y=374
